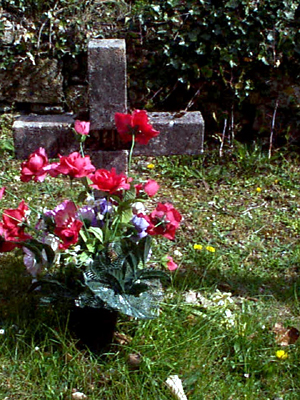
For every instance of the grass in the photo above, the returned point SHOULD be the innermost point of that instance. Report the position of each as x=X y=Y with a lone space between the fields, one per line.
x=245 y=207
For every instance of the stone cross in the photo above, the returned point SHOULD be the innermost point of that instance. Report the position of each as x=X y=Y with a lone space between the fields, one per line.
x=180 y=133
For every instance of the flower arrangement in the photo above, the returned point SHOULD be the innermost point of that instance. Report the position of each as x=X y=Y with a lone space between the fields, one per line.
x=94 y=251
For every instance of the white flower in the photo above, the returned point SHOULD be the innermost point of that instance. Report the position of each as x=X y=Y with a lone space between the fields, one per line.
x=138 y=207
x=177 y=253
x=2 y=331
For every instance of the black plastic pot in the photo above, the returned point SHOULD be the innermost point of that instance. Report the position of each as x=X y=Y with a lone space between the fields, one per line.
x=93 y=327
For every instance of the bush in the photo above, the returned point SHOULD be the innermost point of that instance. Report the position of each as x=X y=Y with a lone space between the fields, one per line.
x=218 y=57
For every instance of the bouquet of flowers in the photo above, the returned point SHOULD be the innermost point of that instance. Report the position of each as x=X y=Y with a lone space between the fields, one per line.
x=94 y=251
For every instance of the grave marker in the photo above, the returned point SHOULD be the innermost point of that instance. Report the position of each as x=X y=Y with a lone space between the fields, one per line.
x=180 y=133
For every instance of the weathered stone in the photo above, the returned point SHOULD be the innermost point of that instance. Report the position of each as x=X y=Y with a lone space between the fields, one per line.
x=77 y=99
x=41 y=83
x=53 y=132
x=36 y=108
x=110 y=159
x=107 y=81
x=180 y=133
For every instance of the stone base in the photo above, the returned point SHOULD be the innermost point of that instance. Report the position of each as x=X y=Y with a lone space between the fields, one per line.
x=180 y=133
x=110 y=159
x=53 y=132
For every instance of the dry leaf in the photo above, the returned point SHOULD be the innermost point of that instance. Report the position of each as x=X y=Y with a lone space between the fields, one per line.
x=285 y=336
x=122 y=339
x=79 y=396
x=174 y=383
x=134 y=360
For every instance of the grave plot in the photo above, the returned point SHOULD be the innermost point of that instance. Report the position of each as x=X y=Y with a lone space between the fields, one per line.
x=180 y=133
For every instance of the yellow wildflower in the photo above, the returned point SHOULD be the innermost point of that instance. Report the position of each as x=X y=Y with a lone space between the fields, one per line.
x=258 y=189
x=210 y=249
x=150 y=166
x=281 y=354
x=198 y=246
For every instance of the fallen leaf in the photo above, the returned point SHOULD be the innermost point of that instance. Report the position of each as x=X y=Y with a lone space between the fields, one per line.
x=134 y=360
x=285 y=336
x=122 y=339
x=174 y=383
x=79 y=396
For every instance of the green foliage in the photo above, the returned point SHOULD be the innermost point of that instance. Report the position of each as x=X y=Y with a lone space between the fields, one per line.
x=56 y=28
x=6 y=139
x=120 y=283
x=219 y=57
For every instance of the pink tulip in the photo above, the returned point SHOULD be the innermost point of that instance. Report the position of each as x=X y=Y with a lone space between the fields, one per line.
x=171 y=265
x=151 y=187
x=82 y=127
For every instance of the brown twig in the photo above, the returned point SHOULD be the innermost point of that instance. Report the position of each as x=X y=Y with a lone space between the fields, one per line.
x=272 y=128
x=223 y=138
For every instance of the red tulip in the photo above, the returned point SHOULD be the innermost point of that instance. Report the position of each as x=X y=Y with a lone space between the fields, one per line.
x=69 y=234
x=73 y=165
x=135 y=124
x=164 y=220
x=34 y=167
x=109 y=181
x=12 y=228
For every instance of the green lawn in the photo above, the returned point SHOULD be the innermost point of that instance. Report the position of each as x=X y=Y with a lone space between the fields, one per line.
x=243 y=209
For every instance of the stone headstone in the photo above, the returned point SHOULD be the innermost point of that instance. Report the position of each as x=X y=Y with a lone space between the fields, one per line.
x=180 y=133
x=54 y=133
x=107 y=81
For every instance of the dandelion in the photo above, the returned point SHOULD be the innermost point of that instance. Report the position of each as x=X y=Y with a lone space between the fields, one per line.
x=281 y=354
x=210 y=249
x=2 y=331
x=258 y=189
x=150 y=166
x=198 y=247
x=276 y=181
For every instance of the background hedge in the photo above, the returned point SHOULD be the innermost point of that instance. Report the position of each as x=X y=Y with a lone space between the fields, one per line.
x=237 y=61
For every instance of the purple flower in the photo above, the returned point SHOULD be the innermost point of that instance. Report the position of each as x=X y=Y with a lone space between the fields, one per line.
x=103 y=206
x=87 y=213
x=140 y=225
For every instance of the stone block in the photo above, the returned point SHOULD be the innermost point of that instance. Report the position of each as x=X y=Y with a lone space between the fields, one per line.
x=41 y=83
x=107 y=81
x=110 y=159
x=180 y=133
x=77 y=99
x=53 y=132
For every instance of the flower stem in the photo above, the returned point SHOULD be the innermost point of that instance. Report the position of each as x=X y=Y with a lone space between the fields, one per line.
x=81 y=149
x=130 y=153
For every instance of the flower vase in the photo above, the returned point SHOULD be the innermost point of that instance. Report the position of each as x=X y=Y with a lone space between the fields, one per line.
x=93 y=328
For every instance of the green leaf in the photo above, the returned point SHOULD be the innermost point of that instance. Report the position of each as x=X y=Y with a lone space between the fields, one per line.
x=97 y=232
x=153 y=274
x=145 y=246
x=144 y=306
